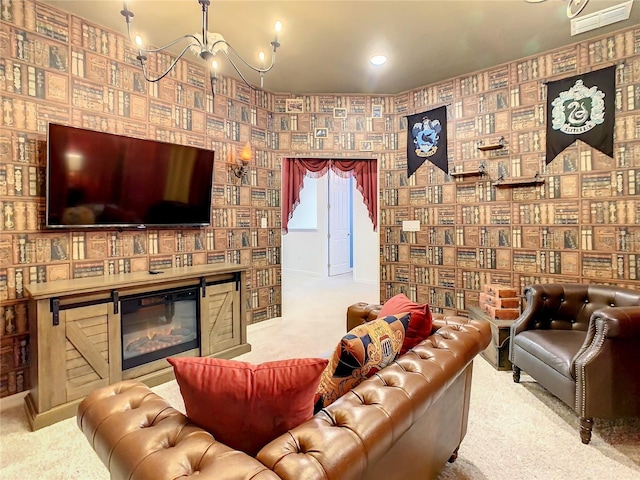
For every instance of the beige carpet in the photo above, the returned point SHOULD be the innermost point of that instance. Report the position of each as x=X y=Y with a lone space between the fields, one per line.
x=516 y=431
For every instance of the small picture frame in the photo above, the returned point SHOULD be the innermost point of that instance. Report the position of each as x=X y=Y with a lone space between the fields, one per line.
x=376 y=111
x=294 y=105
x=366 y=146
x=322 y=132
x=339 y=112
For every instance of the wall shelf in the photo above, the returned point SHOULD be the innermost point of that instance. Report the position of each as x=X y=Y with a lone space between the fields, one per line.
x=492 y=146
x=471 y=173
x=519 y=182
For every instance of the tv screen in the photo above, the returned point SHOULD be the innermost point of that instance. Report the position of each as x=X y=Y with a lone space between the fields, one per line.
x=97 y=179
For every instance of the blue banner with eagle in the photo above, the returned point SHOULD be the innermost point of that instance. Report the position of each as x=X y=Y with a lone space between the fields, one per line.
x=427 y=140
x=581 y=108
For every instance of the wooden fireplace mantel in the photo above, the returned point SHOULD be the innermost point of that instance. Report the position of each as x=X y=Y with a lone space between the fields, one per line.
x=76 y=332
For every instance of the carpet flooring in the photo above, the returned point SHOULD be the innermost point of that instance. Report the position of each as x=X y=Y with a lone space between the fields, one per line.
x=516 y=431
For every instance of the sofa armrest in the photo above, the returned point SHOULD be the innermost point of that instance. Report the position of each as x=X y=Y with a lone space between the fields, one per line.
x=138 y=435
x=360 y=313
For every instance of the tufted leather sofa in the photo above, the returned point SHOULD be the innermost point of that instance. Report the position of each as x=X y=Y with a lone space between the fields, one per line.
x=403 y=423
x=582 y=343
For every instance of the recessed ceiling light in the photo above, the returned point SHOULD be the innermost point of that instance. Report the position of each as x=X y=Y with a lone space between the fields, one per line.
x=378 y=60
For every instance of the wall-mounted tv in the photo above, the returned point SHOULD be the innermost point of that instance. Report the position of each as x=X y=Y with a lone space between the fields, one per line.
x=97 y=179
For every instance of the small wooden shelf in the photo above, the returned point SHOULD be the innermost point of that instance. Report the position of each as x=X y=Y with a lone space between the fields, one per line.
x=492 y=146
x=471 y=173
x=519 y=182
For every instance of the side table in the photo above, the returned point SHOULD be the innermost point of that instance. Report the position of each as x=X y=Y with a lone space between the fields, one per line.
x=497 y=353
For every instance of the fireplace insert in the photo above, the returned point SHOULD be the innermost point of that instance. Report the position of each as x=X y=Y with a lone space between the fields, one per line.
x=159 y=325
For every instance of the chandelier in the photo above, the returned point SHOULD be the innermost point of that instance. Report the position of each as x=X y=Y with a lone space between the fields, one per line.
x=206 y=45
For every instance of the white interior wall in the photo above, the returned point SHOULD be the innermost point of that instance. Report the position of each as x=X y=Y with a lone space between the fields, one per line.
x=366 y=243
x=305 y=251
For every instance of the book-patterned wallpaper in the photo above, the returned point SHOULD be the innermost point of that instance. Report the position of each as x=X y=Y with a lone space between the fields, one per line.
x=580 y=225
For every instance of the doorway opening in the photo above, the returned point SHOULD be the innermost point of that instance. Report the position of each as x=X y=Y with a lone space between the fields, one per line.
x=330 y=230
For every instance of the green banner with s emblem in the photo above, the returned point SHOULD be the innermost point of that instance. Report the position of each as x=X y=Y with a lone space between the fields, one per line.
x=581 y=108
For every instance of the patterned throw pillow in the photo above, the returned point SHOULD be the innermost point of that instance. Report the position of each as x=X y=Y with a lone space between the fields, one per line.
x=245 y=406
x=420 y=323
x=362 y=352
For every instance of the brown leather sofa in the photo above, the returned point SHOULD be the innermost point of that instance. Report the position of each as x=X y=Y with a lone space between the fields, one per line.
x=581 y=343
x=403 y=423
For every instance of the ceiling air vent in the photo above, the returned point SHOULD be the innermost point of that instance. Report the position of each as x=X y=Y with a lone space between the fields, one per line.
x=598 y=19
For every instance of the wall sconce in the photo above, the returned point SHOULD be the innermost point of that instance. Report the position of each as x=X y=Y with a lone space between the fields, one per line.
x=241 y=168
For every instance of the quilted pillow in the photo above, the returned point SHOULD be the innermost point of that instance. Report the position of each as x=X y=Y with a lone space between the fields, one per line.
x=365 y=350
x=420 y=323
x=245 y=406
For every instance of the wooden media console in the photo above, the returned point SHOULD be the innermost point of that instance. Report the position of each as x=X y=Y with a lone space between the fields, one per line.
x=76 y=339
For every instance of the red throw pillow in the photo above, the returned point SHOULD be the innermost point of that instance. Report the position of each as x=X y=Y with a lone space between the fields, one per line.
x=245 y=406
x=419 y=323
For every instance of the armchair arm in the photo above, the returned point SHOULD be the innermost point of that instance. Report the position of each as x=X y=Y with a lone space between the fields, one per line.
x=620 y=321
x=535 y=297
x=605 y=366
x=609 y=322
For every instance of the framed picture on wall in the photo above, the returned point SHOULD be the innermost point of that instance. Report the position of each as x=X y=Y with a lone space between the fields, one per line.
x=366 y=146
x=322 y=132
x=294 y=105
x=339 y=112
x=376 y=111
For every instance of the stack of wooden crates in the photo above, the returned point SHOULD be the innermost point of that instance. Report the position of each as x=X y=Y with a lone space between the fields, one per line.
x=500 y=306
x=500 y=302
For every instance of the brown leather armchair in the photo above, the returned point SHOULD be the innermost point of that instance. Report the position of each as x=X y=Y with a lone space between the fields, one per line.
x=581 y=343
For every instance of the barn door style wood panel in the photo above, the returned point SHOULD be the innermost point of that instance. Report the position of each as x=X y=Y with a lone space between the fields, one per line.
x=220 y=314
x=92 y=357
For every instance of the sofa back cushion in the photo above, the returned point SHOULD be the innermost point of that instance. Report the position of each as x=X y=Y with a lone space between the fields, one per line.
x=245 y=406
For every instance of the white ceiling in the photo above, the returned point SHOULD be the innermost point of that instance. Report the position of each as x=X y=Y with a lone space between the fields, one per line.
x=326 y=45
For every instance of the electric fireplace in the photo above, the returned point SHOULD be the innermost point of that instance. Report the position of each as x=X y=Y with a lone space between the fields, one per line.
x=159 y=325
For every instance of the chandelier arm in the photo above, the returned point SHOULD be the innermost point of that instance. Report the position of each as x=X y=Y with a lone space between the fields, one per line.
x=168 y=45
x=255 y=69
x=165 y=47
x=173 y=64
x=235 y=67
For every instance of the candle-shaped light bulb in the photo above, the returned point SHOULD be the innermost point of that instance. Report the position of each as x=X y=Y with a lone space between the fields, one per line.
x=139 y=40
x=214 y=66
x=245 y=153
x=261 y=55
x=278 y=27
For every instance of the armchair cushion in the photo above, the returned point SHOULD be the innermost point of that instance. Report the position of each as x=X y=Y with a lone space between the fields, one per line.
x=556 y=348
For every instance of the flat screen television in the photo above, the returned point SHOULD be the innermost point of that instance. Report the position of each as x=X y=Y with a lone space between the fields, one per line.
x=97 y=179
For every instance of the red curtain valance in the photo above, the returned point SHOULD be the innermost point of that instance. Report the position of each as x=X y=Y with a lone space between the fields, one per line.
x=295 y=169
